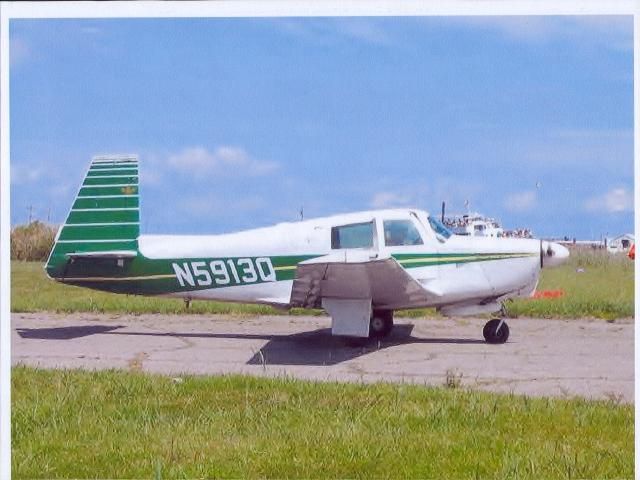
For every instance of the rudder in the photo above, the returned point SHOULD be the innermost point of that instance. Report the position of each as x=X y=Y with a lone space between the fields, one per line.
x=104 y=219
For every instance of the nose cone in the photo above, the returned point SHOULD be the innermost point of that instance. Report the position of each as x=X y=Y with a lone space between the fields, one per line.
x=554 y=254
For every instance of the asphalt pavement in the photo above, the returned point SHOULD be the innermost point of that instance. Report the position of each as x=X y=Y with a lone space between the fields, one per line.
x=587 y=358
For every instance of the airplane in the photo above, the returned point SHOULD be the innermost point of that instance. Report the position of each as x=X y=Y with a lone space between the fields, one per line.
x=359 y=267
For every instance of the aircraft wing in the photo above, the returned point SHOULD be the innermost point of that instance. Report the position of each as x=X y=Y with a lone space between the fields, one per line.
x=337 y=276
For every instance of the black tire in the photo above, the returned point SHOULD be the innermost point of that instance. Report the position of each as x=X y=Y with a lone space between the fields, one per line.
x=492 y=335
x=381 y=323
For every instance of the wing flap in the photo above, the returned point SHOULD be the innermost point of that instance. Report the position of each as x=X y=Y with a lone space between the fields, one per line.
x=384 y=281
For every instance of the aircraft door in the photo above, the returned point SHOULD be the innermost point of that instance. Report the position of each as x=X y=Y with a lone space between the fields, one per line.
x=357 y=241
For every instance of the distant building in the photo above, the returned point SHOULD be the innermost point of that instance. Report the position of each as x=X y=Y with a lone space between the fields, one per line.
x=621 y=243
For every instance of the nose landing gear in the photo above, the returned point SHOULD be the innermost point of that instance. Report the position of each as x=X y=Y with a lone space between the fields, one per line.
x=496 y=331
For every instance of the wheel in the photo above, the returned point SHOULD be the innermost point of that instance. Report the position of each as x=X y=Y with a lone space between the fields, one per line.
x=381 y=323
x=492 y=334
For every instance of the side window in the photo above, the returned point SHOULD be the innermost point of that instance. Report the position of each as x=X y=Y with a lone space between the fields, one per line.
x=401 y=232
x=356 y=235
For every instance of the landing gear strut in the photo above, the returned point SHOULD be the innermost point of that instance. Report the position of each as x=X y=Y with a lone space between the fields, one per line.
x=381 y=323
x=496 y=331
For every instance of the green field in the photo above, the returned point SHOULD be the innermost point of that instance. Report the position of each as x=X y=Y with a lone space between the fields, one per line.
x=604 y=289
x=115 y=424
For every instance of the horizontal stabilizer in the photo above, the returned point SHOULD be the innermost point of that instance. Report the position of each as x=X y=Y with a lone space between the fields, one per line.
x=111 y=254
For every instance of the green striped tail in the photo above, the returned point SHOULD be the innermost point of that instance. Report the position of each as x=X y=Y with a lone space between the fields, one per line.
x=105 y=216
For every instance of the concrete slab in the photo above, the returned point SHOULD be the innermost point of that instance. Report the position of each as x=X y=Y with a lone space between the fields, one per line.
x=588 y=358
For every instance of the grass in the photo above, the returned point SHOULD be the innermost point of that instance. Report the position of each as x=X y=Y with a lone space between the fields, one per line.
x=110 y=424
x=596 y=284
x=605 y=289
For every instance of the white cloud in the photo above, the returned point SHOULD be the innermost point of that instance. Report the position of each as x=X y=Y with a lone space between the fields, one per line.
x=221 y=205
x=19 y=51
x=603 y=149
x=424 y=193
x=614 y=201
x=521 y=201
x=613 y=31
x=91 y=30
x=363 y=29
x=329 y=31
x=25 y=174
x=224 y=159
x=389 y=199
x=60 y=190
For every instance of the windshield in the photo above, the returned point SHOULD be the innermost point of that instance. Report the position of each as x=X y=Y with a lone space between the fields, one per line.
x=442 y=232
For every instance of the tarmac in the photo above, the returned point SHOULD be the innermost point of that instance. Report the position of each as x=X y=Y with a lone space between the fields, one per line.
x=562 y=358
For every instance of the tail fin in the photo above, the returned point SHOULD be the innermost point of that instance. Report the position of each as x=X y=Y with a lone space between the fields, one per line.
x=104 y=220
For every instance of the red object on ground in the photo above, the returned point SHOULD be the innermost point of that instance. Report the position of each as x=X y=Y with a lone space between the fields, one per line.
x=632 y=252
x=549 y=294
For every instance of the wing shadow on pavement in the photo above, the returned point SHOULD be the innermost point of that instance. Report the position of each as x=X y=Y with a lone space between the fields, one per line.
x=65 y=333
x=317 y=347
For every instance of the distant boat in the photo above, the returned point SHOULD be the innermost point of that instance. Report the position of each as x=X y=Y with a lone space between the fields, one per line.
x=474 y=224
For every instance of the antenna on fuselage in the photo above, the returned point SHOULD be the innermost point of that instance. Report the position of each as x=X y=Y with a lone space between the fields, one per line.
x=301 y=212
x=442 y=216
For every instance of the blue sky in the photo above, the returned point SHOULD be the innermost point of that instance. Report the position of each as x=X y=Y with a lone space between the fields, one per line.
x=241 y=122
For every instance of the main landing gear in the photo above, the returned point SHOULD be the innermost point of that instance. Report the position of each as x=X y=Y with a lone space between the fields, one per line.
x=496 y=330
x=381 y=323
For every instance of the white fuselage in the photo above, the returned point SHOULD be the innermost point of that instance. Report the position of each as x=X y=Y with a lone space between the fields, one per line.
x=459 y=271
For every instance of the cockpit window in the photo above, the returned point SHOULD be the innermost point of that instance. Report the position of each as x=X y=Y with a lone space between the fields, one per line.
x=401 y=232
x=356 y=235
x=442 y=232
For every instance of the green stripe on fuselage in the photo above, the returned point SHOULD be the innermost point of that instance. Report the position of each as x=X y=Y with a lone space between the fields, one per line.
x=431 y=259
x=142 y=275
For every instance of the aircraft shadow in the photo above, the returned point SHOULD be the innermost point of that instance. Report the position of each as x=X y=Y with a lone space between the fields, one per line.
x=65 y=333
x=314 y=348
x=320 y=348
